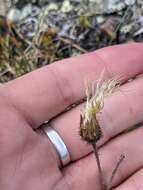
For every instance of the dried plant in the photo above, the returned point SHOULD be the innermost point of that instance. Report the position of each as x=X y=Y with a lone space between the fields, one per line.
x=90 y=130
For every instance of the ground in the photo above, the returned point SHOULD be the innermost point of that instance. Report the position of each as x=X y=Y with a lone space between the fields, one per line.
x=53 y=30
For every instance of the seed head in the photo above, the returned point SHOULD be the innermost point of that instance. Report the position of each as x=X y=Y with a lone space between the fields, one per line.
x=89 y=127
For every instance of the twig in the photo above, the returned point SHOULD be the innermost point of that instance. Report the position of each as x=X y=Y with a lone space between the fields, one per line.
x=115 y=171
x=67 y=41
x=101 y=177
x=121 y=22
x=9 y=68
x=4 y=72
x=38 y=31
x=18 y=33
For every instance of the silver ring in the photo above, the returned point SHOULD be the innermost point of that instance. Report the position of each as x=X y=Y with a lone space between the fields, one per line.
x=58 y=144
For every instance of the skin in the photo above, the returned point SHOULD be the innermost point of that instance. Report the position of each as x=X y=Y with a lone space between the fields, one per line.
x=28 y=160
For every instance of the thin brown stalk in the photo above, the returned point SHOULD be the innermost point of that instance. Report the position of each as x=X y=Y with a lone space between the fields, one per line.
x=67 y=41
x=121 y=22
x=115 y=171
x=101 y=176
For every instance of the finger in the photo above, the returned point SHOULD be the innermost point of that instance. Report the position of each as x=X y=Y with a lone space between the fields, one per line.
x=135 y=182
x=121 y=111
x=83 y=174
x=44 y=93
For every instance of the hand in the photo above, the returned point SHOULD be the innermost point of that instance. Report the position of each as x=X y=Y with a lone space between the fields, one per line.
x=28 y=160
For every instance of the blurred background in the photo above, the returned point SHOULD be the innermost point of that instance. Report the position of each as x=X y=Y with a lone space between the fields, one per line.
x=39 y=32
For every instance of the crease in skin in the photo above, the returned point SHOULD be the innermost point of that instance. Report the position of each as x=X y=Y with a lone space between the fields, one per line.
x=135 y=185
x=105 y=65
x=134 y=182
x=61 y=184
x=19 y=161
x=68 y=99
x=12 y=104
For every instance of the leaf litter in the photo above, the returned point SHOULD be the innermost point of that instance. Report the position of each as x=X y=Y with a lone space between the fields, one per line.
x=53 y=30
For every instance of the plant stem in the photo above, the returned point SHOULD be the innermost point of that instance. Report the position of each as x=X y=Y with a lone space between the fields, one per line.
x=115 y=171
x=101 y=177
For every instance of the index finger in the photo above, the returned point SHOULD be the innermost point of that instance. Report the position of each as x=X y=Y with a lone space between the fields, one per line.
x=42 y=94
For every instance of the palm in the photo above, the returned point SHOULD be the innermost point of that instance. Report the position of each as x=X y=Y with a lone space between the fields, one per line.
x=28 y=160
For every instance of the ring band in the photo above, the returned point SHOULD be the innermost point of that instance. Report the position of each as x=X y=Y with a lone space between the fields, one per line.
x=58 y=144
